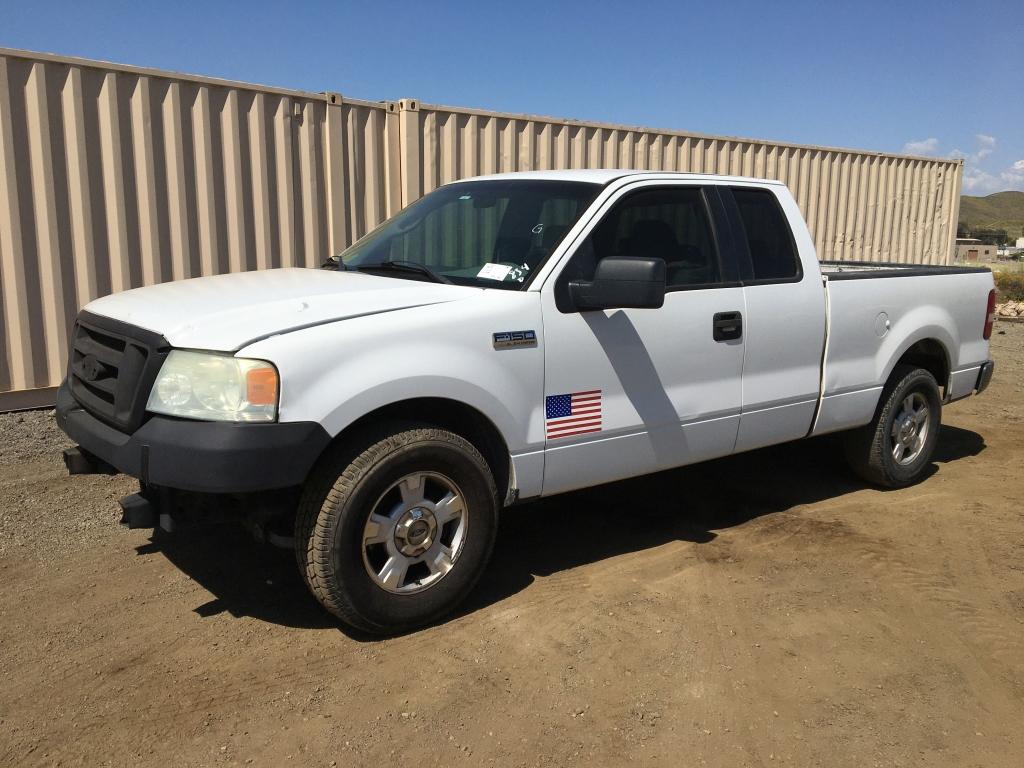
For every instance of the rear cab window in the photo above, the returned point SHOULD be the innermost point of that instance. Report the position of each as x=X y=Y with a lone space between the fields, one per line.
x=768 y=236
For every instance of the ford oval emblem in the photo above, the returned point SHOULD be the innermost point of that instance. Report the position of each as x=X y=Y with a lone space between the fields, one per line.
x=90 y=368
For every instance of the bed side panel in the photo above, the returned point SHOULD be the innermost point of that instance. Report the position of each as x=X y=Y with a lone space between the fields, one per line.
x=874 y=321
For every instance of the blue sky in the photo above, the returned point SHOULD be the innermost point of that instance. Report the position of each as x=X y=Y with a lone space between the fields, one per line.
x=939 y=78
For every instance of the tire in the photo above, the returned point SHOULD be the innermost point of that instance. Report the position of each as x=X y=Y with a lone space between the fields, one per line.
x=874 y=451
x=410 y=479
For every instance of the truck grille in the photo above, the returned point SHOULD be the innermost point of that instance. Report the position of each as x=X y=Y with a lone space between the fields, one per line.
x=112 y=369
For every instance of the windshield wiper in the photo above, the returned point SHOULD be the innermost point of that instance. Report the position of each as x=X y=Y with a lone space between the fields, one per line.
x=400 y=265
x=335 y=262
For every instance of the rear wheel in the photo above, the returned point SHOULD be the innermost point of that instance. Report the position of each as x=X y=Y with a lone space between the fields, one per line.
x=896 y=447
x=394 y=535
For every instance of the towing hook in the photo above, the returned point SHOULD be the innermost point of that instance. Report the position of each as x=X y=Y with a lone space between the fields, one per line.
x=81 y=462
x=137 y=511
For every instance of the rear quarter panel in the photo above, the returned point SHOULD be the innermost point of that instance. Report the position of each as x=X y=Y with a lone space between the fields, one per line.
x=861 y=351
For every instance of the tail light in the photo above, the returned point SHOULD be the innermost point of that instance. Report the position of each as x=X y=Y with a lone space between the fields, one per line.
x=990 y=314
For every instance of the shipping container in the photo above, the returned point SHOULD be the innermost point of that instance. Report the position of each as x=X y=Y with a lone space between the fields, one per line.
x=113 y=177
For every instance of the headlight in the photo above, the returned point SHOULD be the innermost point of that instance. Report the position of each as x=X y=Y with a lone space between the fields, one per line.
x=203 y=385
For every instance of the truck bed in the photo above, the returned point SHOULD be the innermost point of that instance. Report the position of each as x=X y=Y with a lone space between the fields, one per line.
x=871 y=324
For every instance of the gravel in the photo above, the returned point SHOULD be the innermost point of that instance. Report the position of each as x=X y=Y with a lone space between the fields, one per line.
x=28 y=435
x=44 y=514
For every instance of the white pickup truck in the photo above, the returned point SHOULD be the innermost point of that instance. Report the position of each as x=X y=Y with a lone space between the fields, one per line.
x=505 y=338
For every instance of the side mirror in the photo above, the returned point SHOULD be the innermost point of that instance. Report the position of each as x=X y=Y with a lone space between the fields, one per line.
x=621 y=282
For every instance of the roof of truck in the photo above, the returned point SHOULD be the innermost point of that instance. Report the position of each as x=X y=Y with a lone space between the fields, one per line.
x=606 y=175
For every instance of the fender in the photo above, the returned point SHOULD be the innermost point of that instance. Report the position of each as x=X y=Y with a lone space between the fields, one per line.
x=935 y=324
x=389 y=392
x=858 y=363
x=337 y=373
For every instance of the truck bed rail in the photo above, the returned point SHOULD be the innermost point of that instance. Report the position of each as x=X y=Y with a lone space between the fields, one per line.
x=861 y=270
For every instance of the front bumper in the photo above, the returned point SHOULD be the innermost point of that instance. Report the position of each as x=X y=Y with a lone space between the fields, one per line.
x=204 y=456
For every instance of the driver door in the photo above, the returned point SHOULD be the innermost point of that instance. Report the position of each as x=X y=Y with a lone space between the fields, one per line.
x=632 y=391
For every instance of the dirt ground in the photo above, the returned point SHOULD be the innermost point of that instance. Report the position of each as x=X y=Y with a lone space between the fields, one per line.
x=764 y=609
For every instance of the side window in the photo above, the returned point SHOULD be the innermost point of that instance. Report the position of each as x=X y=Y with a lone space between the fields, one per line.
x=769 y=237
x=667 y=223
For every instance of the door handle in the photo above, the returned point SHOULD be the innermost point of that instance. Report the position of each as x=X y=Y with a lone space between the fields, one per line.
x=727 y=326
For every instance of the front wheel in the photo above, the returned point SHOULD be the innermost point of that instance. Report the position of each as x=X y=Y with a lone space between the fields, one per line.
x=394 y=535
x=895 y=448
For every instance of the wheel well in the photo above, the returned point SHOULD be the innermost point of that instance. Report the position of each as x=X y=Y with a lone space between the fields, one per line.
x=455 y=416
x=930 y=355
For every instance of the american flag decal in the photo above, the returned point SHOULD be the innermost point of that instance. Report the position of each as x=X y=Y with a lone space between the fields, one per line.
x=578 y=413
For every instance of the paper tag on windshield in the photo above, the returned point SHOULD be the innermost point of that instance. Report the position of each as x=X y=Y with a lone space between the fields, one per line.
x=491 y=271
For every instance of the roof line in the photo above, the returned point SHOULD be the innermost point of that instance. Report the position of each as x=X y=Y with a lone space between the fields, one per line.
x=615 y=174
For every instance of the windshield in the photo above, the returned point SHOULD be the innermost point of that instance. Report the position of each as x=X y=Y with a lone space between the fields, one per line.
x=491 y=234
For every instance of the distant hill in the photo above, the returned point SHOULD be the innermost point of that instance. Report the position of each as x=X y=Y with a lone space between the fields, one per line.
x=1003 y=210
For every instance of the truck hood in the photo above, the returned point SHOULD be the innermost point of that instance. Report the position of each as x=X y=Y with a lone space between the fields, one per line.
x=227 y=312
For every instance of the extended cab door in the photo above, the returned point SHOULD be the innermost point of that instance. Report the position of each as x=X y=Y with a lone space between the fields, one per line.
x=630 y=391
x=785 y=315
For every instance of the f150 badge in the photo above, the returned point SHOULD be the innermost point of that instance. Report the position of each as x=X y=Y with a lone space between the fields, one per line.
x=507 y=339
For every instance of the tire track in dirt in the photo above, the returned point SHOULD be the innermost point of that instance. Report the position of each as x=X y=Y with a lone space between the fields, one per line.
x=995 y=650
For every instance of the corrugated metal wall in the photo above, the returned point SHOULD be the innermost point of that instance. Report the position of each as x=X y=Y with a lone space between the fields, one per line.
x=115 y=177
x=860 y=206
x=112 y=177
